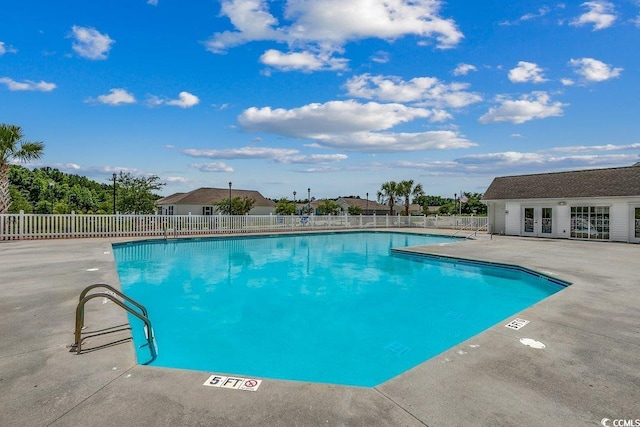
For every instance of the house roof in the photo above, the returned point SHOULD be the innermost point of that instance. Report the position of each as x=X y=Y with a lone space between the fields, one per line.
x=210 y=196
x=624 y=181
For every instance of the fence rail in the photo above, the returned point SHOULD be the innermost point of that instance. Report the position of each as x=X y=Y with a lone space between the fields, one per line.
x=34 y=226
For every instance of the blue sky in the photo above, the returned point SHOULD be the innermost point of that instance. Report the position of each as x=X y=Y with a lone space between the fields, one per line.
x=333 y=95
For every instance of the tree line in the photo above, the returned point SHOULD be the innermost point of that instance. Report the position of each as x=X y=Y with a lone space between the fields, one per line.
x=392 y=193
x=48 y=190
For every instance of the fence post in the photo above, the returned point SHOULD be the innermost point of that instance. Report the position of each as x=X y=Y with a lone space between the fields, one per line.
x=73 y=224
x=21 y=225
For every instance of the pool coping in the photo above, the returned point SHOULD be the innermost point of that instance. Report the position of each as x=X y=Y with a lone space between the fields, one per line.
x=589 y=369
x=454 y=259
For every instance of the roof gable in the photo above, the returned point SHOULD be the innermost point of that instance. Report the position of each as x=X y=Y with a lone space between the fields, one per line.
x=612 y=182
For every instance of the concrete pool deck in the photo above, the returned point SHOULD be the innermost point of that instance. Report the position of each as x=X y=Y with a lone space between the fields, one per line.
x=589 y=369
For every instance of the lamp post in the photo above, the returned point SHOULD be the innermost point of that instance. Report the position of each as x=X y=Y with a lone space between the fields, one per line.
x=309 y=200
x=229 y=197
x=114 y=176
x=455 y=203
x=294 y=202
x=366 y=212
x=51 y=188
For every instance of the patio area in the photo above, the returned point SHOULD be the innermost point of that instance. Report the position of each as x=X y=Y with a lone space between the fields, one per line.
x=588 y=370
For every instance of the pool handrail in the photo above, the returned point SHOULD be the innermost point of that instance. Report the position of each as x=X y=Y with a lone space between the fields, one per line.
x=84 y=298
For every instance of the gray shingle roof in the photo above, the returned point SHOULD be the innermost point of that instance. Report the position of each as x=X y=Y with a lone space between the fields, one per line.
x=624 y=181
x=210 y=196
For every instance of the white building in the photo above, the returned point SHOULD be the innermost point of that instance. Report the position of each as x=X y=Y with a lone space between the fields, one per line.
x=203 y=200
x=595 y=204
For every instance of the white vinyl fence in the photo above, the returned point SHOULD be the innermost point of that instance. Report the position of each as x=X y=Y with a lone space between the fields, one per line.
x=34 y=226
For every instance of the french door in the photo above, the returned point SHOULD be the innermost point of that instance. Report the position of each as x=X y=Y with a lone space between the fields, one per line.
x=537 y=221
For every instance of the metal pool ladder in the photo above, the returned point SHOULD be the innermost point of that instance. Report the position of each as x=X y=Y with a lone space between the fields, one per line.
x=111 y=293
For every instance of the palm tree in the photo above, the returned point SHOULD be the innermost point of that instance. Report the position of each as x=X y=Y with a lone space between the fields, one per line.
x=388 y=194
x=407 y=190
x=12 y=147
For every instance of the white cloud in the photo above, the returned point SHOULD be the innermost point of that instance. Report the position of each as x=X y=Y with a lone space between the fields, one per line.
x=526 y=72
x=599 y=13
x=185 y=100
x=327 y=25
x=428 y=91
x=316 y=120
x=536 y=105
x=152 y=2
x=543 y=11
x=212 y=167
x=463 y=69
x=567 y=82
x=179 y=179
x=117 y=96
x=40 y=86
x=313 y=158
x=606 y=147
x=519 y=163
x=593 y=70
x=242 y=153
x=6 y=49
x=539 y=14
x=303 y=61
x=376 y=142
x=278 y=155
x=510 y=163
x=350 y=125
x=252 y=20
x=381 y=57
x=90 y=43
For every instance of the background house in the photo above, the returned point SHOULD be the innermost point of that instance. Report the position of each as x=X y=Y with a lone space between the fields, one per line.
x=595 y=204
x=203 y=200
x=370 y=207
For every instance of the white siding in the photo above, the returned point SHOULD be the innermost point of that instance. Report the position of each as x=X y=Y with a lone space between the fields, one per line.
x=187 y=209
x=563 y=221
x=512 y=218
x=619 y=222
x=498 y=218
x=620 y=209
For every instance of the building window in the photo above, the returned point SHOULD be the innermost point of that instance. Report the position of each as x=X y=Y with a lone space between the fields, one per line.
x=207 y=210
x=590 y=222
x=170 y=210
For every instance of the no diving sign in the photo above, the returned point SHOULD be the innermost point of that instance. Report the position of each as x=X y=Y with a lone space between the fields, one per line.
x=236 y=383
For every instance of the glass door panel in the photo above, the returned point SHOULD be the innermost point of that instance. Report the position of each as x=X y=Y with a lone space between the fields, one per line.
x=547 y=222
x=590 y=222
x=637 y=223
x=528 y=220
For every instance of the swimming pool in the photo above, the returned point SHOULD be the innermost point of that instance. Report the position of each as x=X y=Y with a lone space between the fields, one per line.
x=337 y=308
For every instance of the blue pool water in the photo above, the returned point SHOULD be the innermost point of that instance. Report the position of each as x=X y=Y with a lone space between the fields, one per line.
x=333 y=308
